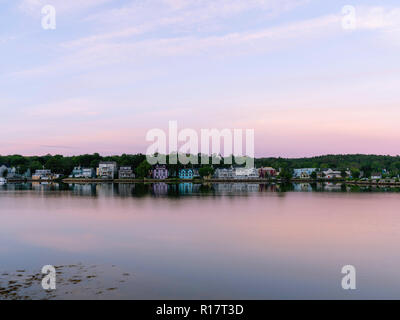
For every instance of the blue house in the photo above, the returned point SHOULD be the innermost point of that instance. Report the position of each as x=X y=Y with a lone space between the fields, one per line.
x=186 y=174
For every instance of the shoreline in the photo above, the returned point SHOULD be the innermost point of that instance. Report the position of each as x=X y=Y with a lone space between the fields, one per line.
x=204 y=181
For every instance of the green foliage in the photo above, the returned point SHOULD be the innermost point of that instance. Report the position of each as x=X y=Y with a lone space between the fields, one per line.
x=313 y=175
x=360 y=162
x=5 y=173
x=142 y=171
x=206 y=171
x=286 y=174
x=355 y=173
x=64 y=165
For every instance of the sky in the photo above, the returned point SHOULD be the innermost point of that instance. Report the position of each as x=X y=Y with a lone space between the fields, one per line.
x=112 y=70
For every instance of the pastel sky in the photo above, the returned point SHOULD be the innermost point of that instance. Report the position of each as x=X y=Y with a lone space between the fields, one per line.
x=114 y=69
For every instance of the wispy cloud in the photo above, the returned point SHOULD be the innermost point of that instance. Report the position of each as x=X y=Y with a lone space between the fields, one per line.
x=76 y=107
x=33 y=7
x=103 y=50
x=378 y=18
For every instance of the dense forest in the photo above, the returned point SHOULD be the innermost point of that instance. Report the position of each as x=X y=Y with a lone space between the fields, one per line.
x=64 y=165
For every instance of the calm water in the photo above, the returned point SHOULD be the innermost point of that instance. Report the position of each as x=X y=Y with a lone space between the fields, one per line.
x=226 y=241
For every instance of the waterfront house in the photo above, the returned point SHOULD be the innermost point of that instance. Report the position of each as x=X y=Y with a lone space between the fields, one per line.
x=76 y=173
x=265 y=172
x=107 y=170
x=6 y=172
x=303 y=173
x=376 y=176
x=246 y=173
x=196 y=173
x=224 y=173
x=126 y=173
x=85 y=173
x=332 y=174
x=88 y=173
x=42 y=174
x=186 y=174
x=160 y=172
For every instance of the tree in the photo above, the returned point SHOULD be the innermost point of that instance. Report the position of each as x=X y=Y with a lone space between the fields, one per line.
x=142 y=171
x=59 y=164
x=313 y=175
x=5 y=173
x=355 y=173
x=286 y=174
x=206 y=171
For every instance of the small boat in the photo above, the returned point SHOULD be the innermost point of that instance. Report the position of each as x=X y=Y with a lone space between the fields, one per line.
x=3 y=180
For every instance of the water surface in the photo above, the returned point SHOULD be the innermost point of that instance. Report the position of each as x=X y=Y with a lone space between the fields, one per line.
x=224 y=241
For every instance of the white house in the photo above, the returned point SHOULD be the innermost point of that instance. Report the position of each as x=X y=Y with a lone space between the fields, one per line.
x=376 y=176
x=246 y=173
x=224 y=173
x=107 y=169
x=126 y=173
x=332 y=174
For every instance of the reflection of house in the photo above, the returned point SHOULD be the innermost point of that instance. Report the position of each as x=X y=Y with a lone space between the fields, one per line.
x=332 y=186
x=126 y=189
x=80 y=172
x=268 y=187
x=126 y=173
x=186 y=188
x=186 y=174
x=107 y=169
x=42 y=174
x=236 y=187
x=83 y=189
x=304 y=173
x=105 y=189
x=160 y=188
x=224 y=173
x=302 y=187
x=160 y=172
x=265 y=172
x=246 y=173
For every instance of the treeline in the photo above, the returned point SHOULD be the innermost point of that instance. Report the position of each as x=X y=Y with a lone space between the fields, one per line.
x=361 y=162
x=64 y=165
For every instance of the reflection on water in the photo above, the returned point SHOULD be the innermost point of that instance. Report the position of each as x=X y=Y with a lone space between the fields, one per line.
x=181 y=189
x=211 y=241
